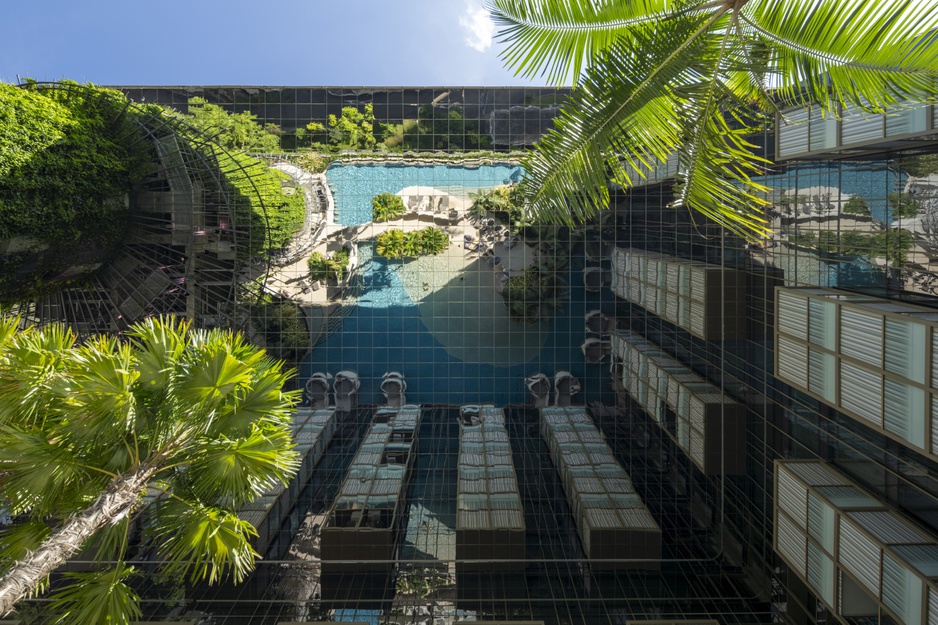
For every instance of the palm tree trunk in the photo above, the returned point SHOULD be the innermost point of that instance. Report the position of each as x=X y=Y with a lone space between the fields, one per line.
x=115 y=502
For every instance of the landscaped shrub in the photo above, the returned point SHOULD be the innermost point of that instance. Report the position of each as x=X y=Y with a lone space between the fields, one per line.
x=534 y=294
x=856 y=205
x=322 y=268
x=921 y=165
x=505 y=203
x=439 y=128
x=904 y=206
x=387 y=206
x=311 y=161
x=398 y=244
x=892 y=244
x=233 y=131
x=281 y=321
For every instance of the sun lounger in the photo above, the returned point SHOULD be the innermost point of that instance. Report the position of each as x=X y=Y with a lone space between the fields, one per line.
x=565 y=387
x=595 y=350
x=317 y=390
x=393 y=387
x=539 y=387
x=345 y=387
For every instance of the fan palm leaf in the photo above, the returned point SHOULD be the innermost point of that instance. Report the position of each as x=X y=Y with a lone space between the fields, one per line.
x=199 y=416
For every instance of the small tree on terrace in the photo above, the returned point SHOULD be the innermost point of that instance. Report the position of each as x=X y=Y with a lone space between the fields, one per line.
x=85 y=430
x=856 y=205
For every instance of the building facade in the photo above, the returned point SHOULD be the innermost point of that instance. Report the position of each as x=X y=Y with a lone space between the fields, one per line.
x=769 y=404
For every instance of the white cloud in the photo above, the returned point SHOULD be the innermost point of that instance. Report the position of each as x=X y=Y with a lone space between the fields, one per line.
x=478 y=26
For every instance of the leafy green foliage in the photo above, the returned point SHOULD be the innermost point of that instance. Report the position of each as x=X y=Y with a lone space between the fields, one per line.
x=354 y=129
x=856 y=205
x=258 y=190
x=322 y=268
x=892 y=244
x=284 y=327
x=439 y=128
x=921 y=165
x=270 y=216
x=398 y=244
x=531 y=296
x=68 y=159
x=387 y=206
x=904 y=206
x=197 y=415
x=233 y=131
x=654 y=78
x=505 y=203
x=98 y=598
x=316 y=163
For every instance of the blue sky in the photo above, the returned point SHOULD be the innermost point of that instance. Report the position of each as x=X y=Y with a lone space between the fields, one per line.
x=271 y=42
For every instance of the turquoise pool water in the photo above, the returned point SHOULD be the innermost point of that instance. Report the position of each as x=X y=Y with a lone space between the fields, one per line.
x=353 y=186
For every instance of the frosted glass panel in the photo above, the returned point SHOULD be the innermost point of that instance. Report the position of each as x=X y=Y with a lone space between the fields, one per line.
x=902 y=590
x=821 y=573
x=859 y=127
x=823 y=131
x=862 y=392
x=905 y=349
x=793 y=133
x=904 y=412
x=792 y=314
x=821 y=521
x=792 y=361
x=910 y=120
x=861 y=336
x=821 y=320
x=822 y=373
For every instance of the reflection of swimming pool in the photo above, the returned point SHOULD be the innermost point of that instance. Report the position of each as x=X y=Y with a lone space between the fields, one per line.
x=386 y=332
x=355 y=185
x=874 y=181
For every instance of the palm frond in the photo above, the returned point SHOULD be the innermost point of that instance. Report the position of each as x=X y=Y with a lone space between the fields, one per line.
x=159 y=345
x=100 y=388
x=263 y=401
x=20 y=539
x=558 y=38
x=202 y=542
x=717 y=160
x=236 y=471
x=212 y=375
x=110 y=543
x=98 y=598
x=32 y=361
x=41 y=474
x=864 y=54
x=622 y=118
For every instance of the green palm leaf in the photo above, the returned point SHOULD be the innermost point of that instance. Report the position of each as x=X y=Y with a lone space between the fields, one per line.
x=866 y=54
x=100 y=388
x=262 y=401
x=620 y=120
x=43 y=476
x=653 y=86
x=32 y=362
x=202 y=542
x=239 y=470
x=557 y=39
x=159 y=345
x=98 y=598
